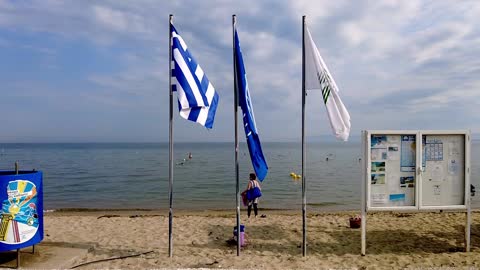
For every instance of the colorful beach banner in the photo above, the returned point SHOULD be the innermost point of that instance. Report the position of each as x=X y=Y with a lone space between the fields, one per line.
x=21 y=215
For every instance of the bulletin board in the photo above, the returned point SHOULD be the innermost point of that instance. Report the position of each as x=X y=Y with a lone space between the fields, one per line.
x=412 y=170
x=415 y=170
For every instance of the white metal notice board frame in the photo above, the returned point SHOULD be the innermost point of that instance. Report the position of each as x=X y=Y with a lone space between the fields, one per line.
x=432 y=182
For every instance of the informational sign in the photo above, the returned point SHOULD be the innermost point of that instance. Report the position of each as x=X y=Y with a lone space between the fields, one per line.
x=397 y=179
x=392 y=170
x=21 y=214
x=415 y=170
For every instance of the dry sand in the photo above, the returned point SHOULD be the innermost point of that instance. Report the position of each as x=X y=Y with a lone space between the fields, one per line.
x=412 y=240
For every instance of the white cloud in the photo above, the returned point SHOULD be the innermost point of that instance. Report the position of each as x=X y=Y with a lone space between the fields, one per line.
x=414 y=56
x=315 y=10
x=120 y=21
x=110 y=18
x=380 y=27
x=353 y=33
x=452 y=36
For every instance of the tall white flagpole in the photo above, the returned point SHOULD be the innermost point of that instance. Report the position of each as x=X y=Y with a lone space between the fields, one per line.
x=304 y=156
x=235 y=113
x=170 y=136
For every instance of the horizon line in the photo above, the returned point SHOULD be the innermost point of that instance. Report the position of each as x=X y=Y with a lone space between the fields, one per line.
x=153 y=142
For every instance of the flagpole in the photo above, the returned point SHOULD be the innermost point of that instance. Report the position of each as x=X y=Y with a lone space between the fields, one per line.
x=304 y=156
x=170 y=136
x=235 y=112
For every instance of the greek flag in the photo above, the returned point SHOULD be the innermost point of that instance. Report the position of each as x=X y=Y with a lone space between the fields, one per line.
x=197 y=99
x=253 y=141
x=317 y=76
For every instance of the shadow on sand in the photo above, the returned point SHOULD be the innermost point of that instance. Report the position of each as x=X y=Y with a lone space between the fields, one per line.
x=341 y=241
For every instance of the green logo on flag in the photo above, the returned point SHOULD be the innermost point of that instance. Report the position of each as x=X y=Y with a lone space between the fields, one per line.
x=326 y=85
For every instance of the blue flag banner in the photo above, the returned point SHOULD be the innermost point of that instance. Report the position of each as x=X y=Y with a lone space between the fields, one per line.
x=197 y=99
x=253 y=141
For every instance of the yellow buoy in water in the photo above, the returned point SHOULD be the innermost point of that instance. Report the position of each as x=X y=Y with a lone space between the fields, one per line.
x=292 y=174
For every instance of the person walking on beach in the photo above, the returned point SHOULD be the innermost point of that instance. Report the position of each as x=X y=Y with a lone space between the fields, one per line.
x=253 y=194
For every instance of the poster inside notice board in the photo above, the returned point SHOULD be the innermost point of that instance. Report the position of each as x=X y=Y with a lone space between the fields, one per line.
x=443 y=180
x=392 y=174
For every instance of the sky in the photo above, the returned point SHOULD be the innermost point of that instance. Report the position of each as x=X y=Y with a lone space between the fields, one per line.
x=97 y=71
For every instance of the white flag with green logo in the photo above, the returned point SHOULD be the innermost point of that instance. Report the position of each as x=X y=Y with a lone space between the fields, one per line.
x=317 y=77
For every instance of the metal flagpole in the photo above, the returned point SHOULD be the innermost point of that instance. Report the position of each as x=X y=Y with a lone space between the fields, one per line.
x=235 y=112
x=304 y=198
x=18 y=250
x=170 y=164
x=363 y=225
x=468 y=193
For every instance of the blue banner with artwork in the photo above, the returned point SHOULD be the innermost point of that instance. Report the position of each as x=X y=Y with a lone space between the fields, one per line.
x=21 y=214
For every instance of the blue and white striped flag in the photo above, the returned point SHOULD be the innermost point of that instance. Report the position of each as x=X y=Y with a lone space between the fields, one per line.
x=197 y=99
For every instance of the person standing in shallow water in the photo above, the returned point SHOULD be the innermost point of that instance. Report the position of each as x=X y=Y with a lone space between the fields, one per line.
x=252 y=184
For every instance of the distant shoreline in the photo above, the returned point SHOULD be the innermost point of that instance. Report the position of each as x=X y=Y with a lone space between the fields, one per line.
x=184 y=212
x=327 y=139
x=217 y=212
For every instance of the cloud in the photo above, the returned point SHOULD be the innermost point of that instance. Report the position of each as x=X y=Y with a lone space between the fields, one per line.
x=436 y=43
x=393 y=60
x=113 y=19
x=120 y=21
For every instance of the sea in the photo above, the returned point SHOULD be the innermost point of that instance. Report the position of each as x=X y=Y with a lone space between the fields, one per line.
x=135 y=175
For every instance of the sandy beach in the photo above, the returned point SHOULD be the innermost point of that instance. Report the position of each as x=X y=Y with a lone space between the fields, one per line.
x=394 y=240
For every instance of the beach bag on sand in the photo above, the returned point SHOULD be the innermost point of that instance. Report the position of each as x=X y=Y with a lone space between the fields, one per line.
x=253 y=193
x=244 y=198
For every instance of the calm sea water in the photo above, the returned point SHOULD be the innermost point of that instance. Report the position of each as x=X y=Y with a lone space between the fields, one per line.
x=136 y=175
